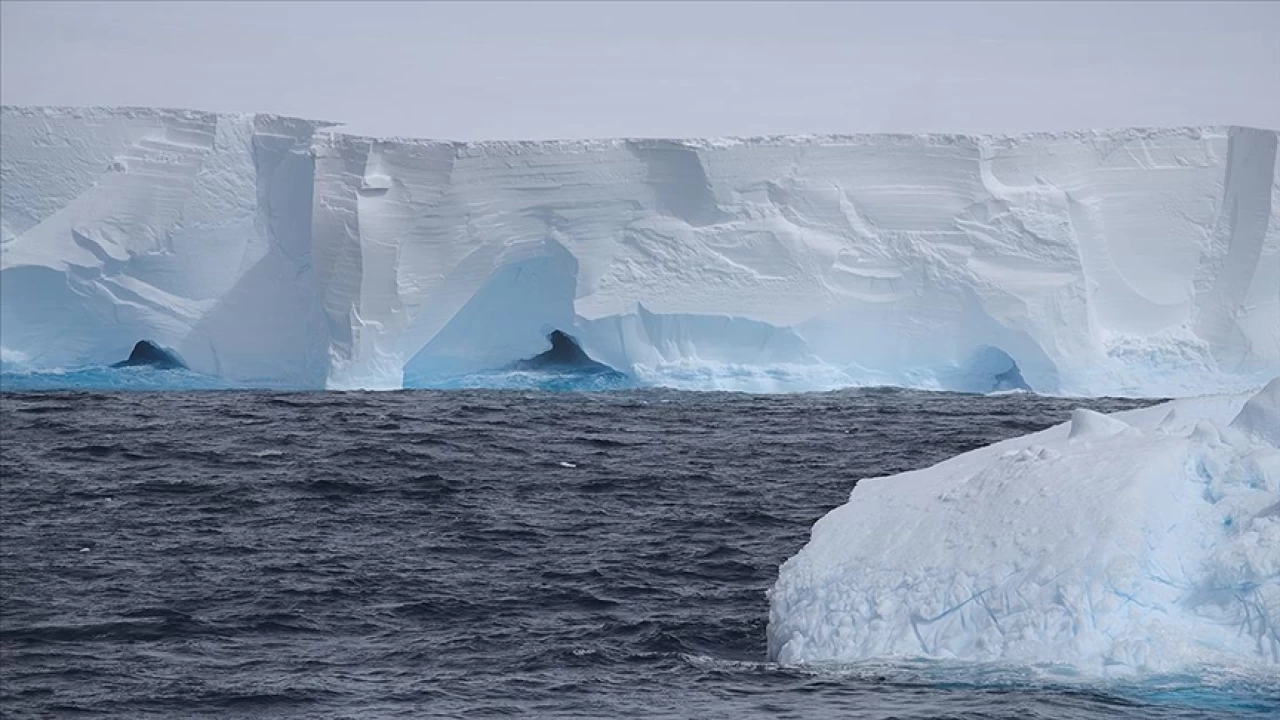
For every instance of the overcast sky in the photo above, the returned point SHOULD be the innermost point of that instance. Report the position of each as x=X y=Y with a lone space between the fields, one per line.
x=531 y=70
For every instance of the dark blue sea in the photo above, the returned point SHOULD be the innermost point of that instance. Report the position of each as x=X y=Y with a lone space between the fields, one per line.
x=247 y=554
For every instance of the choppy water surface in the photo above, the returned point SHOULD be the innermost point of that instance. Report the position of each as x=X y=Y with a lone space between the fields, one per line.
x=416 y=554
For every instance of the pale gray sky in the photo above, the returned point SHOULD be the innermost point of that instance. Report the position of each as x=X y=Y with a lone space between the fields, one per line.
x=533 y=70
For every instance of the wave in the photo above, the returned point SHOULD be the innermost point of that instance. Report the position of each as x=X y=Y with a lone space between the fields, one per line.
x=108 y=378
x=731 y=377
x=587 y=381
x=1204 y=691
x=16 y=376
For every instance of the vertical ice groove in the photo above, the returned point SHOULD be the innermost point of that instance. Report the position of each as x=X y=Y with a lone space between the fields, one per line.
x=1246 y=249
x=679 y=181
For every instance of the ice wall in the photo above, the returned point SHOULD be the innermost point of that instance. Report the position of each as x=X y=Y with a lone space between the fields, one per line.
x=187 y=228
x=276 y=250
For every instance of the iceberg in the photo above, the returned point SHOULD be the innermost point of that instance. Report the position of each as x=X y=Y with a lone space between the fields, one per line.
x=1142 y=542
x=281 y=251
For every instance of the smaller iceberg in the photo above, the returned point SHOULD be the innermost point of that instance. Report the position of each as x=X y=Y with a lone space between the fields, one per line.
x=1142 y=542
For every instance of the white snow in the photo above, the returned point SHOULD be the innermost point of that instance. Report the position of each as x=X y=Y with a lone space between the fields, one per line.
x=1146 y=541
x=1261 y=416
x=261 y=248
x=1087 y=423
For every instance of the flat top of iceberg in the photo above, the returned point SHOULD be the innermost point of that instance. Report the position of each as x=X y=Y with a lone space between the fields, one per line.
x=593 y=143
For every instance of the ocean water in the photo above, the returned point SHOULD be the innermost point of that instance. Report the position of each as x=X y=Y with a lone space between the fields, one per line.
x=475 y=554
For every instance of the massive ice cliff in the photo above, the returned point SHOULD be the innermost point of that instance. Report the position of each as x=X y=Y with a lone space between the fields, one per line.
x=279 y=251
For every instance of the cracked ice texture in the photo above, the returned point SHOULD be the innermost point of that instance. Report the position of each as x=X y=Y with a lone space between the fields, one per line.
x=277 y=250
x=1148 y=541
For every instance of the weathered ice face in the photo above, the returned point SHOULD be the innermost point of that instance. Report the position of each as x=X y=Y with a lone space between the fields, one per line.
x=277 y=250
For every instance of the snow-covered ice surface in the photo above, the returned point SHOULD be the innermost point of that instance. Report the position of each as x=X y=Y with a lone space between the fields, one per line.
x=271 y=250
x=1144 y=542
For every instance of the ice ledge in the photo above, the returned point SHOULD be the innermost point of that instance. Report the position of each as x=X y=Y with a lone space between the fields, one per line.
x=135 y=111
x=571 y=144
